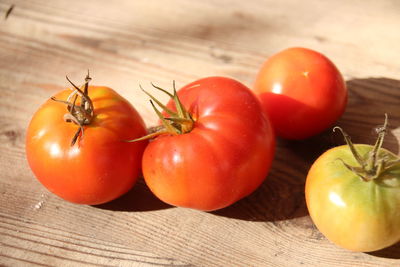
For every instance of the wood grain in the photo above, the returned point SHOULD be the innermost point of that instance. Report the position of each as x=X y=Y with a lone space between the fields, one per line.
x=127 y=43
x=27 y=241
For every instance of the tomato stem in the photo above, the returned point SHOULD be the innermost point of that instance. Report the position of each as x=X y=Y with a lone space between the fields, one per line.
x=379 y=141
x=353 y=150
x=372 y=167
x=81 y=114
x=178 y=122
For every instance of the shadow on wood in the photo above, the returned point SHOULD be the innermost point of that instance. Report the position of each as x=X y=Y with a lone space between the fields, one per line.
x=392 y=252
x=139 y=198
x=369 y=100
x=281 y=196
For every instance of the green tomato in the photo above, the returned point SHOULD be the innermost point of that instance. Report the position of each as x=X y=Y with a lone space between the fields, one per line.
x=353 y=195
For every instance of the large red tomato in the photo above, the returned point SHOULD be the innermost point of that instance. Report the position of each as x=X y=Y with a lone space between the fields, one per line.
x=302 y=91
x=219 y=158
x=100 y=166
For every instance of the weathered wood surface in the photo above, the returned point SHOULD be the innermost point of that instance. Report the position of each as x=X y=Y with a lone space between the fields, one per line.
x=125 y=43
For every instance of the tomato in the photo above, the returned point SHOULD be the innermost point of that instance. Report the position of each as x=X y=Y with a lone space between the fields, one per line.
x=100 y=166
x=354 y=208
x=302 y=91
x=222 y=156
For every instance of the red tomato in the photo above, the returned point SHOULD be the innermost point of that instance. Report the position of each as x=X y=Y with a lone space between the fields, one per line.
x=302 y=91
x=223 y=158
x=100 y=166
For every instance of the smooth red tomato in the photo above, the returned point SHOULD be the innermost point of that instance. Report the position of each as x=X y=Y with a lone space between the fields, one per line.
x=359 y=214
x=302 y=91
x=100 y=166
x=223 y=158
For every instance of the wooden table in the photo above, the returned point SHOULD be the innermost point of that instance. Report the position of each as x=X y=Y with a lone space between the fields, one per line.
x=127 y=43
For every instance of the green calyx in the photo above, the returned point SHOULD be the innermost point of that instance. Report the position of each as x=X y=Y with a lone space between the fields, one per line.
x=177 y=122
x=373 y=166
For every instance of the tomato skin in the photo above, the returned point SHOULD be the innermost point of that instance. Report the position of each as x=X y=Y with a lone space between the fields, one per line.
x=352 y=213
x=302 y=92
x=224 y=158
x=100 y=166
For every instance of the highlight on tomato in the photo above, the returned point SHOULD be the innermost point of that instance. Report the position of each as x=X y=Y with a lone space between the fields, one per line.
x=302 y=91
x=75 y=144
x=353 y=195
x=214 y=146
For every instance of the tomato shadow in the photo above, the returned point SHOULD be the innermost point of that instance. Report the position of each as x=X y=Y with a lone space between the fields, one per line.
x=281 y=196
x=392 y=252
x=369 y=100
x=139 y=198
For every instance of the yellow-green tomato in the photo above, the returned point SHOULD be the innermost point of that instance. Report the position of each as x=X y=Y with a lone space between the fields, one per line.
x=354 y=213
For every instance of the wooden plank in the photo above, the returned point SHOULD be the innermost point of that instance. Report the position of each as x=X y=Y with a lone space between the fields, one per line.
x=127 y=43
x=27 y=242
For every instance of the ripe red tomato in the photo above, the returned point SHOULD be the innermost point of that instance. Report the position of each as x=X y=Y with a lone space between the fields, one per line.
x=356 y=206
x=100 y=166
x=302 y=91
x=224 y=155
